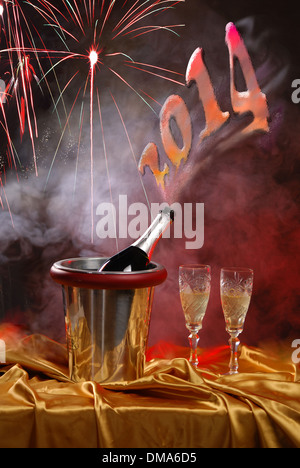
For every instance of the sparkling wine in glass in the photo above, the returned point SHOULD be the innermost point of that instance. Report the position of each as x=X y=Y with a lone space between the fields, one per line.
x=194 y=289
x=236 y=289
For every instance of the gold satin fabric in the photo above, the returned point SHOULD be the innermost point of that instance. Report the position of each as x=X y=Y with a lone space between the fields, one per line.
x=171 y=406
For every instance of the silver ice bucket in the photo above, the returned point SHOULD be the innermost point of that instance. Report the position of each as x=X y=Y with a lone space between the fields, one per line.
x=107 y=317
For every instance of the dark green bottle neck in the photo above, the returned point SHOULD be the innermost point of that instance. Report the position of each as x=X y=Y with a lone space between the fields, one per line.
x=149 y=239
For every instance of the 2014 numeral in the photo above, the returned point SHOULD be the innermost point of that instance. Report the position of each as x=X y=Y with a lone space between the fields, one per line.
x=252 y=100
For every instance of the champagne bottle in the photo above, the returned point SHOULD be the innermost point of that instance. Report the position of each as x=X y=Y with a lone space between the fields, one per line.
x=137 y=256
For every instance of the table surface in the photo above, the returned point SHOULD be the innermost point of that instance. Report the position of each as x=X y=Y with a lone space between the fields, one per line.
x=172 y=406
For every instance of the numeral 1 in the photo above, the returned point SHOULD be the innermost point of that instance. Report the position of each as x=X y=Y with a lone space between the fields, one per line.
x=196 y=71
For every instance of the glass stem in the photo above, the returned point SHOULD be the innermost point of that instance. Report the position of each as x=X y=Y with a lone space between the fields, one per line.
x=194 y=339
x=233 y=364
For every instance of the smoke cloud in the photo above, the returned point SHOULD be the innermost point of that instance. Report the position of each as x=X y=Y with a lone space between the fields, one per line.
x=249 y=187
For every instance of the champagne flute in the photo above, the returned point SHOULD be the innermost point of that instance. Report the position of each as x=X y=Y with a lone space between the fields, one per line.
x=194 y=289
x=236 y=289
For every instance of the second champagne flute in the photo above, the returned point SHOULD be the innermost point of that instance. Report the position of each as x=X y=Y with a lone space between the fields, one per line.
x=236 y=289
x=194 y=288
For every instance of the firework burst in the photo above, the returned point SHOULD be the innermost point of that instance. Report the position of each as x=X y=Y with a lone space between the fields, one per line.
x=89 y=40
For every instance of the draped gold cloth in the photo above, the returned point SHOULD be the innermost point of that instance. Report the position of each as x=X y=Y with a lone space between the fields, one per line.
x=171 y=406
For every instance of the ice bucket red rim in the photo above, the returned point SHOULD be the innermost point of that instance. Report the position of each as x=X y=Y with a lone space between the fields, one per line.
x=64 y=274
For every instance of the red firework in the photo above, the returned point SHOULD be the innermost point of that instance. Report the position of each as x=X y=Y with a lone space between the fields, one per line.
x=91 y=34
